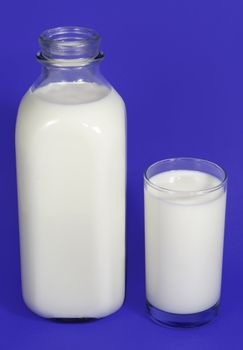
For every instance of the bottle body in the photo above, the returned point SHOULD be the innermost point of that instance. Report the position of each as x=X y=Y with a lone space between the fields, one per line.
x=71 y=160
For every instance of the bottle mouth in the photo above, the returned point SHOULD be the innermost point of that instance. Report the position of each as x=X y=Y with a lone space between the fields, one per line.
x=69 y=44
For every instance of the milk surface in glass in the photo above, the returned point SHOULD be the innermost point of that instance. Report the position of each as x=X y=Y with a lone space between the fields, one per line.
x=184 y=232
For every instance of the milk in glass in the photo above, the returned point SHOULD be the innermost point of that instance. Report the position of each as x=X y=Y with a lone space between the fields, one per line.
x=184 y=234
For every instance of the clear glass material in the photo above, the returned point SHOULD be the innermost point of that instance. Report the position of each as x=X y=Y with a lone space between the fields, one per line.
x=70 y=54
x=185 y=201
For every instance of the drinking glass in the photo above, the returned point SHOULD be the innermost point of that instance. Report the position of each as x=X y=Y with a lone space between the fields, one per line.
x=185 y=201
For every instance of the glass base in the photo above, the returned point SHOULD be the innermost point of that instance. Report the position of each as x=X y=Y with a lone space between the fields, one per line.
x=182 y=320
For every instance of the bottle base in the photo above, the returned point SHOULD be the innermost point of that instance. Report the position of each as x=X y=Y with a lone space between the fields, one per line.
x=168 y=319
x=73 y=320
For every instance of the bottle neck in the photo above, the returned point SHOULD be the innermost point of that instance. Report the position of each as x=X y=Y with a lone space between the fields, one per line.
x=69 y=54
x=69 y=44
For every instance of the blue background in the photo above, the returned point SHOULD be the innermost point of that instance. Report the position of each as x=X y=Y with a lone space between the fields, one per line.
x=179 y=67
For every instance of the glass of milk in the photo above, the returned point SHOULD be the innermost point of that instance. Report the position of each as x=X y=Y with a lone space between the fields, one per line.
x=185 y=201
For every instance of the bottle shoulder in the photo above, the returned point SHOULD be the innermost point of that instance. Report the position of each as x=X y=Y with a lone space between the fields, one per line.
x=39 y=108
x=70 y=95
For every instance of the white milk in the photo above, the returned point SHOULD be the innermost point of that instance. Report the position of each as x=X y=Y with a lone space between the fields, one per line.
x=70 y=145
x=184 y=242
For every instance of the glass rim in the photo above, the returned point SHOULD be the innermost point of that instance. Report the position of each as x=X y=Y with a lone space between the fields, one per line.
x=190 y=159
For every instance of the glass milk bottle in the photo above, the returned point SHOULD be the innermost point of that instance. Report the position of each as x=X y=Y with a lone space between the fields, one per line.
x=71 y=161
